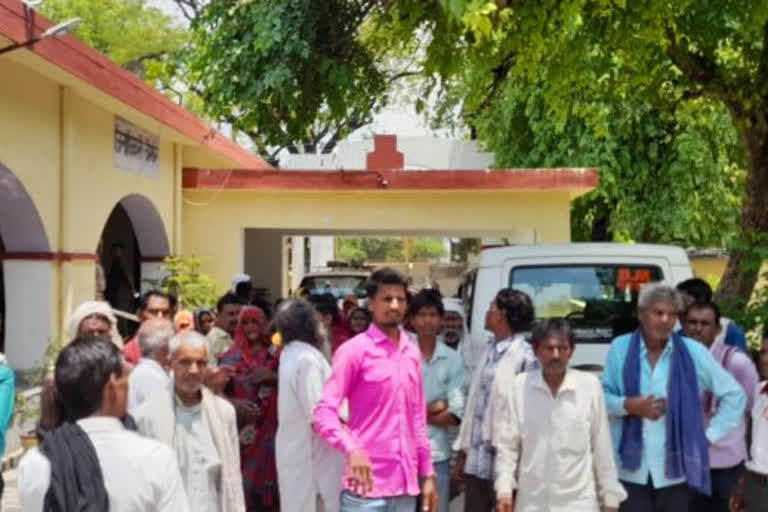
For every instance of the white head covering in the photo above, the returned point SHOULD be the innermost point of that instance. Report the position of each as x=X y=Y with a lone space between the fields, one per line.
x=469 y=354
x=239 y=278
x=93 y=307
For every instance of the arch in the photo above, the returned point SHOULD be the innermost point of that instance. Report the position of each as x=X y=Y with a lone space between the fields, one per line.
x=133 y=244
x=21 y=227
x=147 y=225
x=26 y=275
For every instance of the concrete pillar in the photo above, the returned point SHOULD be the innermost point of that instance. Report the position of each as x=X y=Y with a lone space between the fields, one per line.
x=297 y=261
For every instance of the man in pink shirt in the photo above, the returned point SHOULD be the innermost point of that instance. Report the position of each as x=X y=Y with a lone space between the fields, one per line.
x=385 y=440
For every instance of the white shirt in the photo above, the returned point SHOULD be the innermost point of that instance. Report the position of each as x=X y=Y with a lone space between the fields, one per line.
x=199 y=461
x=140 y=475
x=308 y=469
x=146 y=380
x=558 y=446
x=758 y=460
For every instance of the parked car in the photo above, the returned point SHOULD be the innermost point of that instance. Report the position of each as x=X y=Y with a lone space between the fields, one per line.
x=594 y=285
x=339 y=283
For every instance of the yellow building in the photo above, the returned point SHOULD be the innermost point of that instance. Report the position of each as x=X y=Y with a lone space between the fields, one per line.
x=90 y=156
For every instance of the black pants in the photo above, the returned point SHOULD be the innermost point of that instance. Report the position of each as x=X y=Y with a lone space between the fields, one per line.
x=723 y=484
x=645 y=498
x=479 y=495
x=755 y=492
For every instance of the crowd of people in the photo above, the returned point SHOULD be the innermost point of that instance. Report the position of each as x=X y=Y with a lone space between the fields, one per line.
x=316 y=405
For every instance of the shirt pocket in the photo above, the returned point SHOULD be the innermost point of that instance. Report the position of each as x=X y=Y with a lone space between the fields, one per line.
x=377 y=370
x=574 y=438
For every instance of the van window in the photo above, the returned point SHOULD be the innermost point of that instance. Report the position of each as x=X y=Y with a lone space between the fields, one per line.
x=599 y=300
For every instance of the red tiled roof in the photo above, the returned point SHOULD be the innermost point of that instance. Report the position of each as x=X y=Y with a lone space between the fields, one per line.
x=78 y=59
x=392 y=179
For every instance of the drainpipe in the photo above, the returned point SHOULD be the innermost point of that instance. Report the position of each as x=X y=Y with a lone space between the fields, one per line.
x=58 y=265
x=177 y=198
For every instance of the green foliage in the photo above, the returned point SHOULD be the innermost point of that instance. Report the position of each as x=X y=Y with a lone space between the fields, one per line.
x=426 y=249
x=130 y=32
x=184 y=279
x=382 y=249
x=673 y=177
x=277 y=69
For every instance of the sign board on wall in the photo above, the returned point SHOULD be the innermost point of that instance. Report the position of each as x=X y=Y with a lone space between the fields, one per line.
x=136 y=150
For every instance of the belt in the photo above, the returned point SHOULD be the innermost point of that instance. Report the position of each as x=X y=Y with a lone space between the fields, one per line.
x=759 y=478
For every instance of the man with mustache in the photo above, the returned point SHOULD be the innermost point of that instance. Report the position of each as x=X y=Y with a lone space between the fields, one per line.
x=653 y=380
x=550 y=431
x=385 y=440
x=200 y=426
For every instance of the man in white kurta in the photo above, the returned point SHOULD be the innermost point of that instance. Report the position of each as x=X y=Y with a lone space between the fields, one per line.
x=200 y=427
x=551 y=435
x=151 y=375
x=309 y=470
x=198 y=458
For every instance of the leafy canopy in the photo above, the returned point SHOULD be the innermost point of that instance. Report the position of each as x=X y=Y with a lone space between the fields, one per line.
x=130 y=32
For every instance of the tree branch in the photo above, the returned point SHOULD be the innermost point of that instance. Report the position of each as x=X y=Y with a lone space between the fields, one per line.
x=696 y=68
x=190 y=9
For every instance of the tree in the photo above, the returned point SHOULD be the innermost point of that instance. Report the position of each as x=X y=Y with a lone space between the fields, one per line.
x=659 y=172
x=654 y=53
x=130 y=32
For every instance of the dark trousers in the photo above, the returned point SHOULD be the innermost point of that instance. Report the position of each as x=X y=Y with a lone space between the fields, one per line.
x=479 y=495
x=755 y=492
x=724 y=481
x=645 y=498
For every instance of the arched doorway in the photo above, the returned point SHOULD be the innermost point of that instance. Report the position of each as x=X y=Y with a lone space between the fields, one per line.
x=132 y=242
x=26 y=277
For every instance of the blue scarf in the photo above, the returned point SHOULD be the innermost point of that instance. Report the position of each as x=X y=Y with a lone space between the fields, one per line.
x=687 y=449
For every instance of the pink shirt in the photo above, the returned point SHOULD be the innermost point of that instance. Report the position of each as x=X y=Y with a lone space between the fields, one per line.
x=387 y=412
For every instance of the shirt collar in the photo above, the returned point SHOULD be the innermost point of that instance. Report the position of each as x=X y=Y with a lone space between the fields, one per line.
x=154 y=365
x=94 y=424
x=503 y=345
x=440 y=352
x=378 y=336
x=644 y=348
x=568 y=383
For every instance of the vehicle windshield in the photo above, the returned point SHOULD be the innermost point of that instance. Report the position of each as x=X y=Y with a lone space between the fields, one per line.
x=599 y=300
x=340 y=286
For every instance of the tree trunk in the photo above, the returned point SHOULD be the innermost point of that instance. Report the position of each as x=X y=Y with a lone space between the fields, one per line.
x=743 y=267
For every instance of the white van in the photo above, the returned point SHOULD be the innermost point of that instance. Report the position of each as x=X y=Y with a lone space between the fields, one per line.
x=594 y=285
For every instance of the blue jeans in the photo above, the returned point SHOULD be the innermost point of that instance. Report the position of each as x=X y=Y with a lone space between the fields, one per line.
x=353 y=503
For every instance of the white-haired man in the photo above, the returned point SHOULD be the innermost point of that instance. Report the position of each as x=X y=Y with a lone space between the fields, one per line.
x=150 y=376
x=200 y=427
x=653 y=380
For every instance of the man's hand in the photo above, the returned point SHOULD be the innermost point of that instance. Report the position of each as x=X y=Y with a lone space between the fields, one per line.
x=217 y=378
x=736 y=501
x=262 y=374
x=429 y=495
x=457 y=473
x=505 y=505
x=361 y=480
x=646 y=407
x=436 y=407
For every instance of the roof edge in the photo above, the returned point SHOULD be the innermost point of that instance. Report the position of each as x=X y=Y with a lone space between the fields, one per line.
x=78 y=59
x=391 y=179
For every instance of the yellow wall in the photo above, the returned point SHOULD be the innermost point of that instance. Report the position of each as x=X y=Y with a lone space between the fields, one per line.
x=91 y=178
x=709 y=267
x=29 y=138
x=213 y=222
x=56 y=137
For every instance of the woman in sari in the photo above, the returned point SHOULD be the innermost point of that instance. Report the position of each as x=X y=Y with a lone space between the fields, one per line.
x=253 y=391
